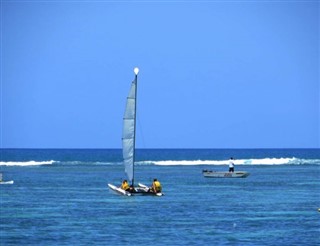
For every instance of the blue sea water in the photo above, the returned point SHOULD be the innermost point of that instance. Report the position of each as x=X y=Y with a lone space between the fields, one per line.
x=60 y=197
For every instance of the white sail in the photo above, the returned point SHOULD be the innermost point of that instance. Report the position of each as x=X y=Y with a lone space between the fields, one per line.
x=128 y=133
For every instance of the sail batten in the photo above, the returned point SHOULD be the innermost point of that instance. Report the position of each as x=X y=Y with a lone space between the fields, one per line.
x=128 y=133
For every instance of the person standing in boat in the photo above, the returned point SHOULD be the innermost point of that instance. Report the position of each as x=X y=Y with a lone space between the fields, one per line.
x=156 y=187
x=231 y=165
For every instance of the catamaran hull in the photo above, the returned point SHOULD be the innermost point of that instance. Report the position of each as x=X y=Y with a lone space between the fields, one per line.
x=145 y=189
x=213 y=174
x=141 y=190
x=118 y=190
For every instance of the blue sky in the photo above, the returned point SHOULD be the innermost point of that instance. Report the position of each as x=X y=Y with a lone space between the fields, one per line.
x=213 y=74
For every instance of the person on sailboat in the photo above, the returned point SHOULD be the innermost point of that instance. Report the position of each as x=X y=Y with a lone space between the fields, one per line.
x=156 y=187
x=231 y=165
x=125 y=186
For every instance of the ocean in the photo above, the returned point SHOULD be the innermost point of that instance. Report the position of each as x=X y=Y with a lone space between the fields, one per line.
x=60 y=197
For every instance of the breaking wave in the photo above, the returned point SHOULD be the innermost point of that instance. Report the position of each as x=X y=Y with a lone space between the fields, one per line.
x=26 y=163
x=52 y=162
x=264 y=161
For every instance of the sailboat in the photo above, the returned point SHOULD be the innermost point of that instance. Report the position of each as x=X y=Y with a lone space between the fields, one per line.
x=129 y=142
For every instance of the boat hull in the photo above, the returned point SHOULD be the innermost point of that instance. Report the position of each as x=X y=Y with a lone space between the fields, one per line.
x=141 y=190
x=145 y=189
x=214 y=174
x=7 y=182
x=118 y=190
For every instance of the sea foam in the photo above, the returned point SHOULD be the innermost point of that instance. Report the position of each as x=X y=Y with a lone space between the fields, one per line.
x=26 y=163
x=263 y=161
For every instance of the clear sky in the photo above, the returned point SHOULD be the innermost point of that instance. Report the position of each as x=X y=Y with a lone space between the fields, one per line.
x=213 y=74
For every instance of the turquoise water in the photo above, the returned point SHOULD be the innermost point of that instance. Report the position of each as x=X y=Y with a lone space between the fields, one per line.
x=61 y=198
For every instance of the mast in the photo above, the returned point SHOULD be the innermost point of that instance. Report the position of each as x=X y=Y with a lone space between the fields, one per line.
x=136 y=71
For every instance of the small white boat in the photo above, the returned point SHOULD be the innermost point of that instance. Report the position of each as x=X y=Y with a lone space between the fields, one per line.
x=214 y=174
x=5 y=182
